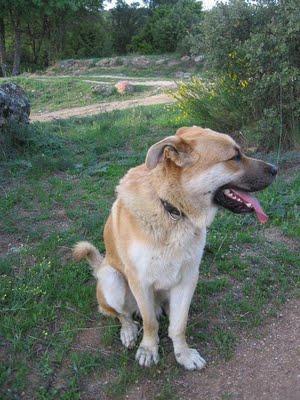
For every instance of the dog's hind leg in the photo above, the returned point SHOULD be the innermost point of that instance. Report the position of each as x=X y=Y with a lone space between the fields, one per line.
x=115 y=299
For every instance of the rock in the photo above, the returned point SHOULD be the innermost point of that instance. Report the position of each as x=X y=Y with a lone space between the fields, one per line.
x=14 y=104
x=160 y=62
x=199 y=59
x=185 y=58
x=124 y=87
x=104 y=90
x=140 y=62
x=115 y=61
x=65 y=64
x=172 y=63
x=126 y=61
x=103 y=63
x=182 y=75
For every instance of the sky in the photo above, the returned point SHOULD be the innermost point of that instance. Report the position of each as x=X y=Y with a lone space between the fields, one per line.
x=207 y=4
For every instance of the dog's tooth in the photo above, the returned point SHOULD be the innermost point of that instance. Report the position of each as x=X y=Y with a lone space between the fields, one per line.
x=239 y=200
x=227 y=192
x=249 y=205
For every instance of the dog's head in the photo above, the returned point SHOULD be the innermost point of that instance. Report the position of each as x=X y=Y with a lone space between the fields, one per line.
x=211 y=164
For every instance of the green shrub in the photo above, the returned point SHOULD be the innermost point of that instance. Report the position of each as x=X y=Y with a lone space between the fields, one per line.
x=253 y=48
x=16 y=139
x=218 y=104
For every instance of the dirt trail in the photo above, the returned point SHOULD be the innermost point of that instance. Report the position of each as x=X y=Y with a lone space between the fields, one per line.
x=136 y=82
x=267 y=368
x=100 y=108
x=170 y=84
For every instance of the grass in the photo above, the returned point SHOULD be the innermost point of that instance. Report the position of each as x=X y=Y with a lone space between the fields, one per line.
x=54 y=344
x=55 y=93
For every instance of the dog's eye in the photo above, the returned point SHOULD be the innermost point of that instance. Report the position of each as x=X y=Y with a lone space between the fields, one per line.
x=237 y=157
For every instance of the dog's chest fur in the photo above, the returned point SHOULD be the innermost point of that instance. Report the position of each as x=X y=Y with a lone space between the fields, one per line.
x=164 y=265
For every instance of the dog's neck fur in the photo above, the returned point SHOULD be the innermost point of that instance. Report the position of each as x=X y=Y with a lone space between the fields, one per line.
x=140 y=190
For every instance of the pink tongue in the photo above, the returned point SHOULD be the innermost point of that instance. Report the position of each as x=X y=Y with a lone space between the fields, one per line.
x=262 y=217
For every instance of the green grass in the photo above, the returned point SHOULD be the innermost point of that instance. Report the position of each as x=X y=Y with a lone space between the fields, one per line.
x=54 y=344
x=55 y=93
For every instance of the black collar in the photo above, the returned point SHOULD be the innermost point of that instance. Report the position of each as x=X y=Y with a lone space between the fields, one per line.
x=174 y=213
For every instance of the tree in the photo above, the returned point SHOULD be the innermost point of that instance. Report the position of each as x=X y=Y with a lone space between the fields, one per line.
x=2 y=47
x=168 y=25
x=126 y=21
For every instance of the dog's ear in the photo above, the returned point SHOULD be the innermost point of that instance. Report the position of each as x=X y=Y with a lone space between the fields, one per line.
x=172 y=148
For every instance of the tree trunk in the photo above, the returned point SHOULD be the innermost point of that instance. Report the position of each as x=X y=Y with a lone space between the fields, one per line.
x=2 y=48
x=17 y=53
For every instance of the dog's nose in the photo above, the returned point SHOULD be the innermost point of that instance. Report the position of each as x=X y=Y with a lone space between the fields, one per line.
x=273 y=170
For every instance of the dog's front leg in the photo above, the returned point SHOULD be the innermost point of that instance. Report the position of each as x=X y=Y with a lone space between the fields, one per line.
x=147 y=353
x=180 y=300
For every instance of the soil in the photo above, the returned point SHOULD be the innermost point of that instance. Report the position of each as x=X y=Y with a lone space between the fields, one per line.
x=266 y=368
x=100 y=108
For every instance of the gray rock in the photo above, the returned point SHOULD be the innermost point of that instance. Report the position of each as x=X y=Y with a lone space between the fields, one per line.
x=172 y=63
x=182 y=75
x=103 y=63
x=160 y=62
x=14 y=104
x=65 y=64
x=199 y=59
x=185 y=58
x=104 y=90
x=140 y=62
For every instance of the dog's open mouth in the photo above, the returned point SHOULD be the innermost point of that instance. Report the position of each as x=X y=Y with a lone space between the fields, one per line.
x=239 y=202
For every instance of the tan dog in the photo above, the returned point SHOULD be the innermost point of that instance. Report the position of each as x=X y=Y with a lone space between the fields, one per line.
x=155 y=234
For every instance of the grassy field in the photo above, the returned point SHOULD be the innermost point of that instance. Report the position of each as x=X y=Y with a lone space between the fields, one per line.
x=54 y=344
x=55 y=93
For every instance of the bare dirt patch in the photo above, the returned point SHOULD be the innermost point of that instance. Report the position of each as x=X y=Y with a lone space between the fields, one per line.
x=266 y=368
x=100 y=108
x=274 y=235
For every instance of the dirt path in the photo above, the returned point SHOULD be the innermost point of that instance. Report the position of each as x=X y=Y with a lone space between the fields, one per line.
x=170 y=84
x=264 y=369
x=100 y=108
x=135 y=82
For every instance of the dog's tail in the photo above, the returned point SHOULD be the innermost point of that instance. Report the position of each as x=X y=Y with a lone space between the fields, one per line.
x=87 y=250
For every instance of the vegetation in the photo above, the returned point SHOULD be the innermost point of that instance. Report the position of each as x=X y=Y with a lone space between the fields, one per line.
x=168 y=26
x=54 y=93
x=36 y=33
x=57 y=188
x=58 y=179
x=253 y=50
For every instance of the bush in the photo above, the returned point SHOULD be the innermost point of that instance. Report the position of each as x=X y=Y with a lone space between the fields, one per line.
x=16 y=139
x=254 y=48
x=218 y=104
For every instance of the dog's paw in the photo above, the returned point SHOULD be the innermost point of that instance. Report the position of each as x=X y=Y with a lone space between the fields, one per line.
x=190 y=359
x=129 y=334
x=147 y=356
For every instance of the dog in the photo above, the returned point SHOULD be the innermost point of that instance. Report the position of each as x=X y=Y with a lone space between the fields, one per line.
x=156 y=233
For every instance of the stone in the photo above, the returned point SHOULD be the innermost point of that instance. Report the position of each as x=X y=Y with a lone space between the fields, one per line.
x=160 y=61
x=115 y=61
x=172 y=63
x=182 y=75
x=104 y=90
x=140 y=62
x=124 y=87
x=14 y=104
x=185 y=58
x=65 y=64
x=199 y=59
x=103 y=63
